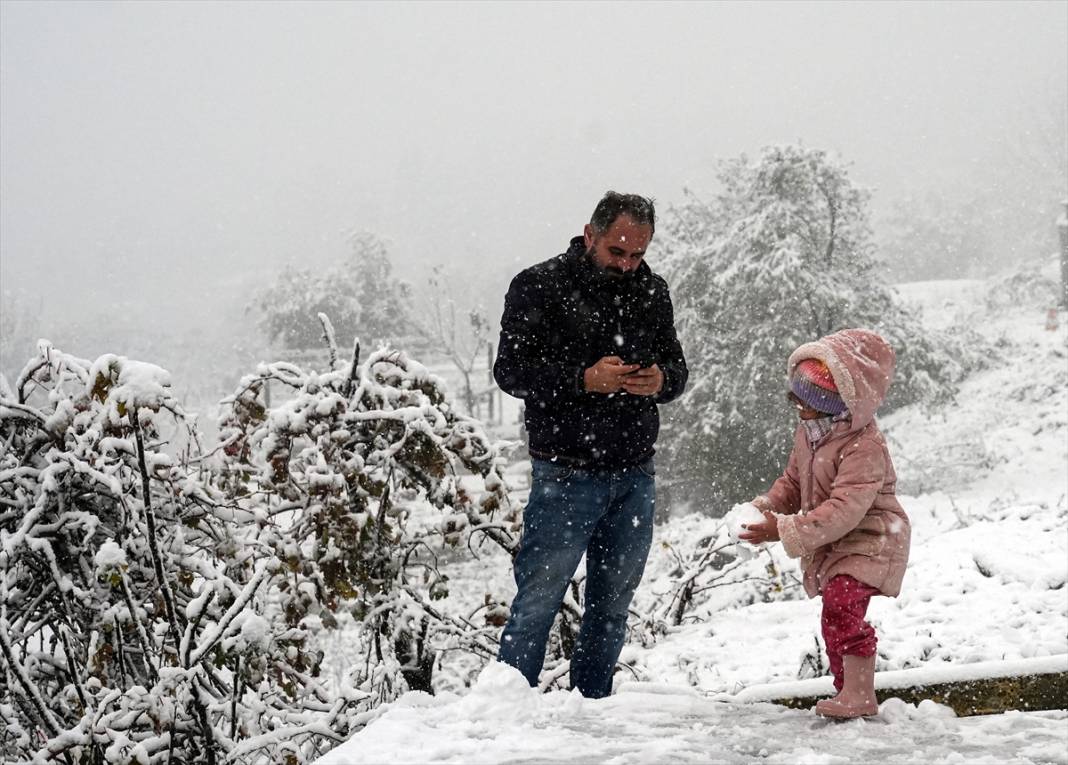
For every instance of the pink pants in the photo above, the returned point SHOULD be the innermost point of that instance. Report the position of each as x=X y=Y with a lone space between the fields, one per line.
x=845 y=601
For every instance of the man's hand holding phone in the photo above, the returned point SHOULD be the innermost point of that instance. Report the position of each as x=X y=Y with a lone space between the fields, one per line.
x=644 y=381
x=611 y=375
x=608 y=375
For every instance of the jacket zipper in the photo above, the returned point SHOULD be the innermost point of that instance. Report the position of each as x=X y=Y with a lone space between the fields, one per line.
x=811 y=472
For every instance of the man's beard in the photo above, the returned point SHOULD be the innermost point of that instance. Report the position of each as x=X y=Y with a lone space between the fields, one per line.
x=613 y=273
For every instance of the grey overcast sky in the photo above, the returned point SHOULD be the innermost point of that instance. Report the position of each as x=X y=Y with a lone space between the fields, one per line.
x=157 y=160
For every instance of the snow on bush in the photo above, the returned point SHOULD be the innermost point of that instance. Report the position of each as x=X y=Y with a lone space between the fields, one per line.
x=159 y=603
x=366 y=465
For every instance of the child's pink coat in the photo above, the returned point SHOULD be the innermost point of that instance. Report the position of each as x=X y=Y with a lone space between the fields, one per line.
x=840 y=512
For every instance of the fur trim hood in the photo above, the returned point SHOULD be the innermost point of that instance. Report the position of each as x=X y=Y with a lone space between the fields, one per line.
x=862 y=365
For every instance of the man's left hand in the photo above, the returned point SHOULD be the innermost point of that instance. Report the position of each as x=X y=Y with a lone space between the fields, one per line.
x=646 y=381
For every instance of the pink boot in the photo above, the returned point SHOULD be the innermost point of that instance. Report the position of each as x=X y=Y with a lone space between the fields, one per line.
x=857 y=697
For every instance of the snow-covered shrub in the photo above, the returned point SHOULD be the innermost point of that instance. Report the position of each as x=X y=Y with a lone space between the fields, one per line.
x=708 y=570
x=782 y=257
x=158 y=604
x=361 y=479
x=1032 y=286
x=131 y=619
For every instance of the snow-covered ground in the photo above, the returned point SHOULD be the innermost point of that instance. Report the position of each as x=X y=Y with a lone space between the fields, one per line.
x=503 y=721
x=985 y=482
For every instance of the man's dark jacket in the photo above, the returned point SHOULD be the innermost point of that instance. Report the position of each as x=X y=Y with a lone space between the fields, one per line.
x=560 y=317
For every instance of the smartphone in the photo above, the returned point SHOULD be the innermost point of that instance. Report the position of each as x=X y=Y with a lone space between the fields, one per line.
x=643 y=360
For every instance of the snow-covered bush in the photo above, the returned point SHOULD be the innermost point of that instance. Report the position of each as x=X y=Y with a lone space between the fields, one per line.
x=1031 y=285
x=129 y=604
x=363 y=478
x=158 y=604
x=708 y=569
x=781 y=257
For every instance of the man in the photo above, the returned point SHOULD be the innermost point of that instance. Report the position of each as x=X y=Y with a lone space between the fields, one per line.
x=588 y=342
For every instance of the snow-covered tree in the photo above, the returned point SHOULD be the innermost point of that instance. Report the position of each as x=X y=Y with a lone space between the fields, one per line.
x=360 y=294
x=384 y=300
x=288 y=307
x=463 y=336
x=782 y=256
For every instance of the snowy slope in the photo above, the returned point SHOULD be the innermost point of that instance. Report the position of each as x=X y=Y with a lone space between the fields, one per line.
x=985 y=482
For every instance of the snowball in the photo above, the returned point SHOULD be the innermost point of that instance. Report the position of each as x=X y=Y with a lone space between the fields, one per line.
x=739 y=516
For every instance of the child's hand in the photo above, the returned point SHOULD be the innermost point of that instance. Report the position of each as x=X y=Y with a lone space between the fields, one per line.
x=765 y=531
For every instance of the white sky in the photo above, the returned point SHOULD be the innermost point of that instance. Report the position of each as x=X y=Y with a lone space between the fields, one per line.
x=156 y=158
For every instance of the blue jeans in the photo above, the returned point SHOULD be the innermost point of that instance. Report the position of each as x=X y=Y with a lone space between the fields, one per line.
x=607 y=514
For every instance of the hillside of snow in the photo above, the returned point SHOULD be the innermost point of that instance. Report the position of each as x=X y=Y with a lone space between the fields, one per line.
x=985 y=482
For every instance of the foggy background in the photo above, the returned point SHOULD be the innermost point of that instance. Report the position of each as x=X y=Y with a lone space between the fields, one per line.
x=160 y=162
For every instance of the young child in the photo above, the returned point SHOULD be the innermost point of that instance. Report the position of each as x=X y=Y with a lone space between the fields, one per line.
x=834 y=506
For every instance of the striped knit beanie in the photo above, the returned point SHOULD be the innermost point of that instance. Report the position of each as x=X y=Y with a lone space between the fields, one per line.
x=811 y=382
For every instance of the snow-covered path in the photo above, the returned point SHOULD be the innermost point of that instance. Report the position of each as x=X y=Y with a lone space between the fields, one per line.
x=503 y=721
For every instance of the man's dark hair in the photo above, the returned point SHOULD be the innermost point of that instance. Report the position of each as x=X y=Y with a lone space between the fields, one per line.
x=613 y=204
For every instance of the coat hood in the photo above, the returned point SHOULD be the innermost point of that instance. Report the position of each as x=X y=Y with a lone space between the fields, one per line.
x=861 y=363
